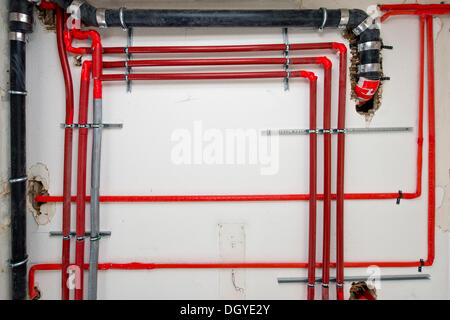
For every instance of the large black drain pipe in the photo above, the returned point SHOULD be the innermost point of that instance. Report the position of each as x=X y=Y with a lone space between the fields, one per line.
x=367 y=33
x=20 y=23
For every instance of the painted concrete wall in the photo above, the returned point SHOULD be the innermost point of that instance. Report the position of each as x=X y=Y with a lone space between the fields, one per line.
x=136 y=160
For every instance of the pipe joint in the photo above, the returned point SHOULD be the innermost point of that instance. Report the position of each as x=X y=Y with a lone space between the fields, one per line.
x=327 y=64
x=308 y=74
x=342 y=48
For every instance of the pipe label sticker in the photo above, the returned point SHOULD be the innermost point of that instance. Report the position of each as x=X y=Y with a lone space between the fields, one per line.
x=365 y=89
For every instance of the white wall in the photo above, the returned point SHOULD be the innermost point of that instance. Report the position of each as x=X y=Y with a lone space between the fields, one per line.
x=4 y=156
x=136 y=161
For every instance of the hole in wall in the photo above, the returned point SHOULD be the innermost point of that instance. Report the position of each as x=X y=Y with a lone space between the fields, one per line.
x=370 y=107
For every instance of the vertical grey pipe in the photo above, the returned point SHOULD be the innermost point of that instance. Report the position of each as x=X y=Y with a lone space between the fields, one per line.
x=95 y=200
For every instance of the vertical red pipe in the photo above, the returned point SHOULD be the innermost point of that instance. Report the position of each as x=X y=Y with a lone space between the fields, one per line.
x=312 y=189
x=431 y=142
x=327 y=184
x=421 y=96
x=340 y=174
x=81 y=177
x=68 y=140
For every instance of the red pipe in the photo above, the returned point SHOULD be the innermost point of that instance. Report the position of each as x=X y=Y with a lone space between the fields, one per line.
x=414 y=13
x=206 y=76
x=216 y=49
x=81 y=178
x=340 y=195
x=312 y=189
x=389 y=7
x=326 y=185
x=212 y=265
x=68 y=141
x=431 y=144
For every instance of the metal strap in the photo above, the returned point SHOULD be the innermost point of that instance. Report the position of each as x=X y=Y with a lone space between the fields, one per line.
x=18 y=264
x=20 y=17
x=92 y=126
x=345 y=16
x=325 y=17
x=367 y=23
x=17 y=36
x=22 y=93
x=369 y=67
x=121 y=17
x=16 y=180
x=96 y=238
x=101 y=18
x=288 y=60
x=311 y=285
x=79 y=239
x=369 y=45
x=340 y=285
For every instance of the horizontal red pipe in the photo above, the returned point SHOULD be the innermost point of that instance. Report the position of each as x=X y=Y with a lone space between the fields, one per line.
x=210 y=49
x=415 y=13
x=205 y=62
x=205 y=76
x=237 y=198
x=248 y=265
x=388 y=7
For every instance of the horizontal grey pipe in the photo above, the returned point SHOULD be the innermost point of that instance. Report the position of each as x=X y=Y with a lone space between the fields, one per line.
x=361 y=278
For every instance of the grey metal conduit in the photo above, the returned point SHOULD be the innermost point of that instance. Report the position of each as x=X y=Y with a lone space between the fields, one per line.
x=95 y=200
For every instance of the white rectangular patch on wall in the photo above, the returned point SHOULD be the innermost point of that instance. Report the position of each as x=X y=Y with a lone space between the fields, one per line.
x=232 y=249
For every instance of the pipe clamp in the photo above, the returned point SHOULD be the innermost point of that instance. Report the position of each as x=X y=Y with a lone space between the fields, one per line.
x=345 y=16
x=17 y=180
x=100 y=15
x=20 y=17
x=363 y=26
x=18 y=264
x=121 y=18
x=17 y=36
x=369 y=45
x=325 y=17
x=369 y=67
x=21 y=93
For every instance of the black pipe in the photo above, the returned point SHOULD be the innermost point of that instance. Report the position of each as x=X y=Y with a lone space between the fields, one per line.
x=18 y=30
x=238 y=18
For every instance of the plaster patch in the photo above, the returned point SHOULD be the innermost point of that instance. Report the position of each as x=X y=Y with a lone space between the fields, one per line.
x=232 y=248
x=38 y=184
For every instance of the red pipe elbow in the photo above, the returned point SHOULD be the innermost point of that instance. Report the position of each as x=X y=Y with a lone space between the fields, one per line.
x=327 y=64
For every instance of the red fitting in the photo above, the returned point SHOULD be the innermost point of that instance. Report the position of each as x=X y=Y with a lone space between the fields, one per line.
x=327 y=64
x=340 y=47
x=47 y=5
x=365 y=89
x=308 y=74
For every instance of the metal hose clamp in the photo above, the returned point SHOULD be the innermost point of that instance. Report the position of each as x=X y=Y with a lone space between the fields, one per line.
x=21 y=93
x=369 y=45
x=17 y=36
x=18 y=264
x=17 y=180
x=369 y=67
x=325 y=17
x=340 y=285
x=363 y=26
x=121 y=17
x=20 y=17
x=101 y=18
x=345 y=17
